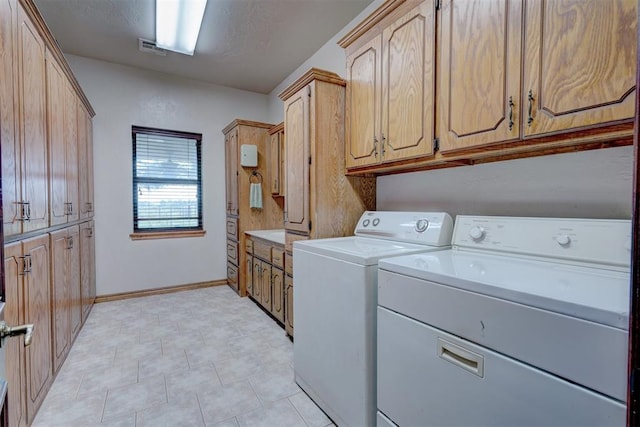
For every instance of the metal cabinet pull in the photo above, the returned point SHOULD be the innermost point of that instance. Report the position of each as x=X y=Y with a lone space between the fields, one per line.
x=530 y=117
x=382 y=145
x=8 y=331
x=70 y=242
x=26 y=264
x=511 y=113
x=375 y=146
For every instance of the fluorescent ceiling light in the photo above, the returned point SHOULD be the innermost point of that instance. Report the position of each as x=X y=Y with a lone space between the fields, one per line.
x=178 y=24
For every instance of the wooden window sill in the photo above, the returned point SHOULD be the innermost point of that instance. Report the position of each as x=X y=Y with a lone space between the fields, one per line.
x=166 y=234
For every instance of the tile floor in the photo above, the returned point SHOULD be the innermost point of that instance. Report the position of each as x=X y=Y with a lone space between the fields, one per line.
x=195 y=358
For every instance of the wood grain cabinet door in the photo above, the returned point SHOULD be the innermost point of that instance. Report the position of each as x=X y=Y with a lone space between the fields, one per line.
x=297 y=161
x=231 y=162
x=14 y=348
x=249 y=274
x=479 y=73
x=275 y=145
x=73 y=279
x=31 y=69
x=11 y=165
x=61 y=297
x=288 y=298
x=579 y=63
x=87 y=267
x=37 y=310
x=363 y=100
x=265 y=280
x=277 y=288
x=85 y=161
x=257 y=279
x=408 y=75
x=72 y=154
x=56 y=114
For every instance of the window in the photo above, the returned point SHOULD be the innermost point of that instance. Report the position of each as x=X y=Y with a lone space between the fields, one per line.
x=167 y=181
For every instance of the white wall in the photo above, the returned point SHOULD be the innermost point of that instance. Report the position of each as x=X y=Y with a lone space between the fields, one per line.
x=594 y=184
x=124 y=96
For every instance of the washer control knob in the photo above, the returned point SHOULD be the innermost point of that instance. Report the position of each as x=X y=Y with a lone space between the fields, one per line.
x=421 y=225
x=376 y=221
x=563 y=240
x=365 y=223
x=477 y=233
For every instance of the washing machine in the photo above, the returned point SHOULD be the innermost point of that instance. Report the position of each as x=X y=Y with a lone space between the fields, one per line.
x=524 y=321
x=335 y=301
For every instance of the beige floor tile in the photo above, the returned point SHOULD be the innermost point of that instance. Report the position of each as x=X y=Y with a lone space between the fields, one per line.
x=145 y=350
x=186 y=413
x=208 y=354
x=237 y=368
x=136 y=397
x=163 y=364
x=228 y=401
x=128 y=420
x=280 y=413
x=199 y=380
x=274 y=384
x=312 y=415
x=104 y=379
x=233 y=422
x=85 y=411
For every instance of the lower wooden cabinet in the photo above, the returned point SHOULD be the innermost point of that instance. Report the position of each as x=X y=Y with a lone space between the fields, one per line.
x=27 y=271
x=87 y=267
x=288 y=309
x=277 y=289
x=66 y=301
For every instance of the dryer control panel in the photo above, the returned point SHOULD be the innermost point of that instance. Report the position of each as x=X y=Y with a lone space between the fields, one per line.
x=428 y=228
x=599 y=241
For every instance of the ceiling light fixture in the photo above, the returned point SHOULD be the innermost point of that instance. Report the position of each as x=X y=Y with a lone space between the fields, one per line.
x=178 y=24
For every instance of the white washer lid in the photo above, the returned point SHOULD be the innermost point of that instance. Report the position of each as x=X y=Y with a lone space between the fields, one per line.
x=594 y=294
x=359 y=250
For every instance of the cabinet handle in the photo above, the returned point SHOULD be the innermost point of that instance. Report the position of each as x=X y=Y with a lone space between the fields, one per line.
x=89 y=207
x=511 y=113
x=70 y=242
x=9 y=331
x=89 y=232
x=530 y=117
x=382 y=145
x=26 y=264
x=375 y=146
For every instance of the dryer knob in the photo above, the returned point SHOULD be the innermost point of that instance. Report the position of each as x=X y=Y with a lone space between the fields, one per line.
x=477 y=233
x=563 y=240
x=421 y=225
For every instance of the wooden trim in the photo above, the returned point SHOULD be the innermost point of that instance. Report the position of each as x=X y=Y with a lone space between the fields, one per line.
x=158 y=291
x=308 y=77
x=151 y=235
x=277 y=128
x=369 y=22
x=32 y=12
x=238 y=122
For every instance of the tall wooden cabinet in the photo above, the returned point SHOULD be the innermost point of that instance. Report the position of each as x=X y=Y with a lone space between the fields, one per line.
x=87 y=267
x=320 y=200
x=47 y=157
x=276 y=160
x=240 y=216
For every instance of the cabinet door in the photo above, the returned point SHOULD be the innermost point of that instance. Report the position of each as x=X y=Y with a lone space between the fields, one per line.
x=14 y=348
x=85 y=160
x=37 y=310
x=274 y=162
x=60 y=300
x=231 y=164
x=296 y=121
x=11 y=166
x=265 y=280
x=288 y=298
x=480 y=71
x=277 y=289
x=56 y=124
x=71 y=154
x=257 y=279
x=408 y=75
x=249 y=274
x=363 y=100
x=73 y=279
x=31 y=69
x=87 y=267
x=579 y=63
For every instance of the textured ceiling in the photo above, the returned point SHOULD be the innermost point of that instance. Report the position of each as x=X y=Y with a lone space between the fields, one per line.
x=245 y=44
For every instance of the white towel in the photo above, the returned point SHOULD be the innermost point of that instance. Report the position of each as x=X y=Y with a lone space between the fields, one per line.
x=255 y=196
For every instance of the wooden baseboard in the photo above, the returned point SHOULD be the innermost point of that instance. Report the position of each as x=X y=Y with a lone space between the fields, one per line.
x=158 y=291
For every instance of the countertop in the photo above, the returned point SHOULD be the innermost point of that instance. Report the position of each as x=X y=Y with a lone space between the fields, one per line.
x=275 y=236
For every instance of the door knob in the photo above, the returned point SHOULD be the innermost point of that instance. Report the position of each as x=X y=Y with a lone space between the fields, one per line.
x=8 y=331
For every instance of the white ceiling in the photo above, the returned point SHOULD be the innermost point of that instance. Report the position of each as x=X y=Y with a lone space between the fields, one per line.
x=245 y=44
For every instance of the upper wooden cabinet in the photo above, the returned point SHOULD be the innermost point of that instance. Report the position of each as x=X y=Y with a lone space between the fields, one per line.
x=85 y=158
x=512 y=78
x=579 y=64
x=479 y=73
x=390 y=96
x=276 y=160
x=231 y=169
